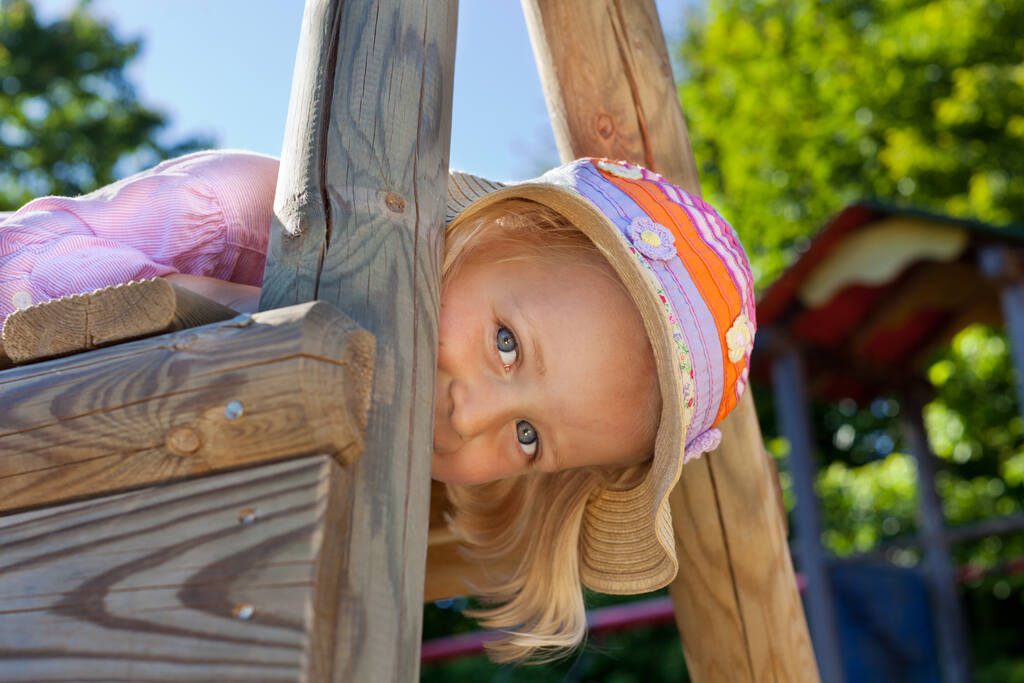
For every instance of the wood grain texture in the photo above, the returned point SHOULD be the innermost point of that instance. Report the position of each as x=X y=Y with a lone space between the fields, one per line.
x=225 y=578
x=448 y=573
x=255 y=388
x=737 y=604
x=106 y=316
x=359 y=222
x=611 y=55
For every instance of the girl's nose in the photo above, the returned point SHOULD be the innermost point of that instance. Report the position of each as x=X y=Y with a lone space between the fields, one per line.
x=479 y=407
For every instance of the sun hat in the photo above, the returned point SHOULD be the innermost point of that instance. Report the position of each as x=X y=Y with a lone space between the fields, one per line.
x=689 y=276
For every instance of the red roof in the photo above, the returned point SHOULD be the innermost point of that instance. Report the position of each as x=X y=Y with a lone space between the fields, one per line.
x=876 y=292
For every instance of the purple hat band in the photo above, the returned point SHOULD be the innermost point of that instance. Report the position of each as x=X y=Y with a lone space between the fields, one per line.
x=702 y=278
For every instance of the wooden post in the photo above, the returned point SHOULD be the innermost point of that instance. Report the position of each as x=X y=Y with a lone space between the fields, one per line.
x=610 y=91
x=359 y=215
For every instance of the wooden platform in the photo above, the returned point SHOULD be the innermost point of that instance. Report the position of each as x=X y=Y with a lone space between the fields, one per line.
x=230 y=577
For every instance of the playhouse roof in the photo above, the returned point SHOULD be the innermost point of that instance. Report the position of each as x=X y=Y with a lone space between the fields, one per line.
x=877 y=290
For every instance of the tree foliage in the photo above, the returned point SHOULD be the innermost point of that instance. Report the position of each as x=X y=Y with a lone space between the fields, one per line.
x=70 y=120
x=797 y=108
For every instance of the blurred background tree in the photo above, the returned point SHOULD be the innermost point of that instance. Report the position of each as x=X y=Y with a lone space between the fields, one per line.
x=70 y=121
x=798 y=108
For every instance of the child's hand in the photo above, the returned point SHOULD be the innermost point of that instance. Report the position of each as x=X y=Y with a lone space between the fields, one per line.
x=242 y=298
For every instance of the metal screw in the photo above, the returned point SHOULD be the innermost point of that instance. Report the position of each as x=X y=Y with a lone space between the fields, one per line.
x=247 y=515
x=234 y=410
x=243 y=611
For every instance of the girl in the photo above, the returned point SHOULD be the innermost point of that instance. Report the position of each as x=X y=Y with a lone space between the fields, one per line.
x=596 y=324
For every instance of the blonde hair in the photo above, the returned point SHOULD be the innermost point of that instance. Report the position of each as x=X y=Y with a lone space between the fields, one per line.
x=525 y=530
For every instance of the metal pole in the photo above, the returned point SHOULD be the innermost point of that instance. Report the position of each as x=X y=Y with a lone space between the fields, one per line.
x=948 y=617
x=789 y=386
x=1004 y=266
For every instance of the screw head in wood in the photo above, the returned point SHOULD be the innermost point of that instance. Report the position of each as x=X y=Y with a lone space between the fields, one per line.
x=243 y=611
x=247 y=516
x=183 y=441
x=234 y=410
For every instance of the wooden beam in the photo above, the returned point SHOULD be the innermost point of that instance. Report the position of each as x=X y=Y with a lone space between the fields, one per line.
x=227 y=578
x=81 y=322
x=359 y=223
x=449 y=574
x=255 y=388
x=608 y=80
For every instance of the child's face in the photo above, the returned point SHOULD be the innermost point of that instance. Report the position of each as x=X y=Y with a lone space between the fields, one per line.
x=542 y=365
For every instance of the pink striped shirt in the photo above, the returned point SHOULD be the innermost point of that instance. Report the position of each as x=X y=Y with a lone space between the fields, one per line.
x=206 y=213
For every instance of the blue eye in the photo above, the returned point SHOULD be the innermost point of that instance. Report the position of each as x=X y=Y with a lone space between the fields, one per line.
x=507 y=346
x=527 y=437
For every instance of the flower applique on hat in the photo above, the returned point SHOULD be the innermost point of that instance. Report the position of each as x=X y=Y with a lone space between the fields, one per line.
x=622 y=169
x=740 y=338
x=653 y=240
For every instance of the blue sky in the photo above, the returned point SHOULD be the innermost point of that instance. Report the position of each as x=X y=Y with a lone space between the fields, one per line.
x=223 y=68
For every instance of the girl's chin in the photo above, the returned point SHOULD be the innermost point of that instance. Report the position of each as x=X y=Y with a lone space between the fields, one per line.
x=440 y=470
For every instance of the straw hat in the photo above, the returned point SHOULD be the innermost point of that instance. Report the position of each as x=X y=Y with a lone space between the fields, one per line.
x=689 y=277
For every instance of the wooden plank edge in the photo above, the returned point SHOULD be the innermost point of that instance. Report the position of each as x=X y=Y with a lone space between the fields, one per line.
x=54 y=448
x=82 y=322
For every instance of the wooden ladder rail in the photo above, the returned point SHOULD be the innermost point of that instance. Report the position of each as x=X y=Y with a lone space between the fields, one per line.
x=608 y=82
x=359 y=222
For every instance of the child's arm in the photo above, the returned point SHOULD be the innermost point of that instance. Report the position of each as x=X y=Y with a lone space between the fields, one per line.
x=205 y=214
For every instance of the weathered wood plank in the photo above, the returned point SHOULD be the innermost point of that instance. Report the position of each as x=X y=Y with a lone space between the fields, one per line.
x=360 y=208
x=226 y=578
x=608 y=80
x=106 y=316
x=449 y=574
x=255 y=388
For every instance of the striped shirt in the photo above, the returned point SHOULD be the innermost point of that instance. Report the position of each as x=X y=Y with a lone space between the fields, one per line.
x=206 y=213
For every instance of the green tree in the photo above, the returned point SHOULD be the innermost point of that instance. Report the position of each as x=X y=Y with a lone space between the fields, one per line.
x=70 y=120
x=797 y=108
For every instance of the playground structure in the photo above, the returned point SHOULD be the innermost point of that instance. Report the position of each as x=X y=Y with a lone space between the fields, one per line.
x=857 y=316
x=303 y=552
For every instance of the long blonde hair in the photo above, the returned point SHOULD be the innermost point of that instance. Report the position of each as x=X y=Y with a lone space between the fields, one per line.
x=526 y=529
